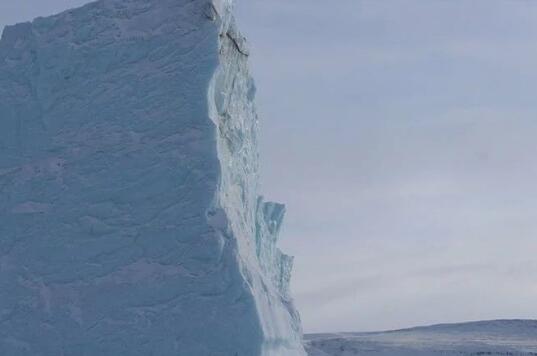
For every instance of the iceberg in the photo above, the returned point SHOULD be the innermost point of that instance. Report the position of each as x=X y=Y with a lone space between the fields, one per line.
x=130 y=216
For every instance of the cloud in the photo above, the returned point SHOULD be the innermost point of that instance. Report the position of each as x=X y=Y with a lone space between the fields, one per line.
x=406 y=134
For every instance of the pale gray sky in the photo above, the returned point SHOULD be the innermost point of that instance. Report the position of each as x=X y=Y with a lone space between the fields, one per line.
x=402 y=136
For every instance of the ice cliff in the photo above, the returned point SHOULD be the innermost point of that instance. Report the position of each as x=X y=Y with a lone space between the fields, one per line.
x=130 y=220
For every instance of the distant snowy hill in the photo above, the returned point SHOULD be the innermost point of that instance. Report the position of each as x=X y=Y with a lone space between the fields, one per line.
x=501 y=337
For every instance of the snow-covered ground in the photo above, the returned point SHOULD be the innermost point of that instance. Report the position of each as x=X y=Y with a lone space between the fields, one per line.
x=501 y=337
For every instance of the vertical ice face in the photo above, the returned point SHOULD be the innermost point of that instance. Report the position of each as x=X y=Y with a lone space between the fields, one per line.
x=130 y=221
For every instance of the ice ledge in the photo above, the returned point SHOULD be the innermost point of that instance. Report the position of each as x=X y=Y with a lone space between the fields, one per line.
x=223 y=6
x=223 y=10
x=12 y=33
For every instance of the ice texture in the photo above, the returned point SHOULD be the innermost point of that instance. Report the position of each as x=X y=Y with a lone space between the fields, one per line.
x=130 y=216
x=499 y=338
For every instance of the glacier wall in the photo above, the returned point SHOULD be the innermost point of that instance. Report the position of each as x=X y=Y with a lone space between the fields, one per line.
x=130 y=220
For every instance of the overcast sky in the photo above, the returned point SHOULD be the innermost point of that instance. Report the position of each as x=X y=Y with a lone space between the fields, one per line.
x=402 y=135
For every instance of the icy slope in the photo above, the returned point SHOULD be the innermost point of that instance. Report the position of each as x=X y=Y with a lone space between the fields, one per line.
x=130 y=221
x=503 y=337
